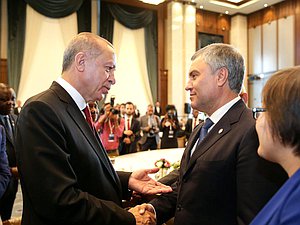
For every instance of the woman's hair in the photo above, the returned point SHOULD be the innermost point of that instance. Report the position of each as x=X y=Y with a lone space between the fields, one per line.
x=281 y=97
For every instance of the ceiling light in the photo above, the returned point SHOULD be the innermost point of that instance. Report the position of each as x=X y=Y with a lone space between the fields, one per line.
x=226 y=12
x=266 y=5
x=201 y=7
x=153 y=2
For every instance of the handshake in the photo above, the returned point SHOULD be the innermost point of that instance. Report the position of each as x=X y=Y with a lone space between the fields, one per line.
x=140 y=182
x=144 y=214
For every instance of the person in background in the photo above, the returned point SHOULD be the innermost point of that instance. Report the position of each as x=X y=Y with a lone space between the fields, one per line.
x=93 y=106
x=278 y=129
x=8 y=121
x=169 y=127
x=192 y=123
x=157 y=109
x=136 y=113
x=150 y=128
x=222 y=180
x=131 y=133
x=4 y=167
x=18 y=107
x=66 y=175
x=110 y=127
x=122 y=110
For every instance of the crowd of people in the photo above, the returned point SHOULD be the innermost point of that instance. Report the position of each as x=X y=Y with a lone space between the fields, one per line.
x=123 y=131
x=240 y=166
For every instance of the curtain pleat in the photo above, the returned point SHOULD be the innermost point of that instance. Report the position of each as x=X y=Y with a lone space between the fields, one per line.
x=16 y=37
x=55 y=8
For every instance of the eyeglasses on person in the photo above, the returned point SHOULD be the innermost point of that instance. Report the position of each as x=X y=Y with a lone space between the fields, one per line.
x=257 y=112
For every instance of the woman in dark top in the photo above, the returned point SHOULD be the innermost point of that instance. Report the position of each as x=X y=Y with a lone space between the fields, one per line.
x=169 y=127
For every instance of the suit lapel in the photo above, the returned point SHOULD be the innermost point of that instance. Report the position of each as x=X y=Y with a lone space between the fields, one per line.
x=218 y=131
x=83 y=126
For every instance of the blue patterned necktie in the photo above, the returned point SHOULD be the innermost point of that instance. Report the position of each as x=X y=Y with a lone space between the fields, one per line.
x=207 y=124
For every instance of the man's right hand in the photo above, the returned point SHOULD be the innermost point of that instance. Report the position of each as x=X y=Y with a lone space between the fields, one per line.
x=144 y=214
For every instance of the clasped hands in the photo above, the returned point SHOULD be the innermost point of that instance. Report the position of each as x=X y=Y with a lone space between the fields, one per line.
x=140 y=182
x=144 y=214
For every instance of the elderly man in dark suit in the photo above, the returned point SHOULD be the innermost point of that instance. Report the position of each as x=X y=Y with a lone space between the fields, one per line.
x=65 y=173
x=222 y=180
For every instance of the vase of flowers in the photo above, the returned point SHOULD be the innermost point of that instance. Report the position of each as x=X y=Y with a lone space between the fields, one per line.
x=163 y=166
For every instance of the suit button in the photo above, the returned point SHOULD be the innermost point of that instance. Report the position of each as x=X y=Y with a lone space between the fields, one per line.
x=179 y=207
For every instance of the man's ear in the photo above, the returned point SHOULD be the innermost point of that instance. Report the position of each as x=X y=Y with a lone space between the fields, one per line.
x=222 y=76
x=80 y=58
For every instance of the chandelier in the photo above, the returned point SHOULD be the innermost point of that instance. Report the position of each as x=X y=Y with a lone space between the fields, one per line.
x=153 y=2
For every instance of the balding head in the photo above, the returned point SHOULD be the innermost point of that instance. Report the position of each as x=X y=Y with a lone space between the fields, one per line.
x=84 y=42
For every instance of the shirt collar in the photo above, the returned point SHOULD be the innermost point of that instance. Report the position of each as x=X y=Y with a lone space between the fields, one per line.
x=75 y=95
x=219 y=113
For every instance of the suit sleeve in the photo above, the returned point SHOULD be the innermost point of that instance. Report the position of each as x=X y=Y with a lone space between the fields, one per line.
x=48 y=177
x=4 y=168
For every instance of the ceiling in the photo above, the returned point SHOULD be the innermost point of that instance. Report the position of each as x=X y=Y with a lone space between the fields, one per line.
x=234 y=6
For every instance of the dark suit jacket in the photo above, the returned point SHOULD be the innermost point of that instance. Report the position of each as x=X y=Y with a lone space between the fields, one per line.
x=65 y=174
x=156 y=112
x=10 y=143
x=225 y=182
x=188 y=128
x=132 y=147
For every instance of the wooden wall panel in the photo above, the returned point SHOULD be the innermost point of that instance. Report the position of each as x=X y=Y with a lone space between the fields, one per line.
x=255 y=50
x=286 y=49
x=3 y=71
x=269 y=47
x=212 y=23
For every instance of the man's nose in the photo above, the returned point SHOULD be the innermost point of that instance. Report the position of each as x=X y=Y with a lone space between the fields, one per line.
x=112 y=79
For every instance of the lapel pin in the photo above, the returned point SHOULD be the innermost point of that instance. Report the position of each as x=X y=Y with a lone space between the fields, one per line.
x=220 y=131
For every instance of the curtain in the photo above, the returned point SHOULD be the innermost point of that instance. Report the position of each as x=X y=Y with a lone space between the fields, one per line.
x=132 y=83
x=55 y=8
x=46 y=39
x=17 y=23
x=16 y=36
x=135 y=18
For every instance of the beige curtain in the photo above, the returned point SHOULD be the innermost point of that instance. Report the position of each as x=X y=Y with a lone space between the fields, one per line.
x=132 y=83
x=45 y=42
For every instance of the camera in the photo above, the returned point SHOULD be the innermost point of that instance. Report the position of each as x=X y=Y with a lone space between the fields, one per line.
x=171 y=115
x=115 y=111
x=152 y=130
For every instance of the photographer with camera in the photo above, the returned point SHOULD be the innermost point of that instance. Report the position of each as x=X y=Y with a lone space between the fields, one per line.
x=110 y=128
x=150 y=129
x=170 y=127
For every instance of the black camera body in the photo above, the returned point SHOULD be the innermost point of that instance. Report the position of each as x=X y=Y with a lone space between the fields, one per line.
x=171 y=115
x=115 y=111
x=152 y=130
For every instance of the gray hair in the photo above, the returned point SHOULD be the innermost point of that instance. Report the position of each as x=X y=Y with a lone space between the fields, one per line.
x=224 y=55
x=83 y=42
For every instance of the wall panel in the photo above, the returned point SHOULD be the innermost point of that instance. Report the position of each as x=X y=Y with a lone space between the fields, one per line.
x=269 y=47
x=286 y=42
x=255 y=50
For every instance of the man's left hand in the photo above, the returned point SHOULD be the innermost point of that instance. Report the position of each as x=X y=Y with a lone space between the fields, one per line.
x=139 y=181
